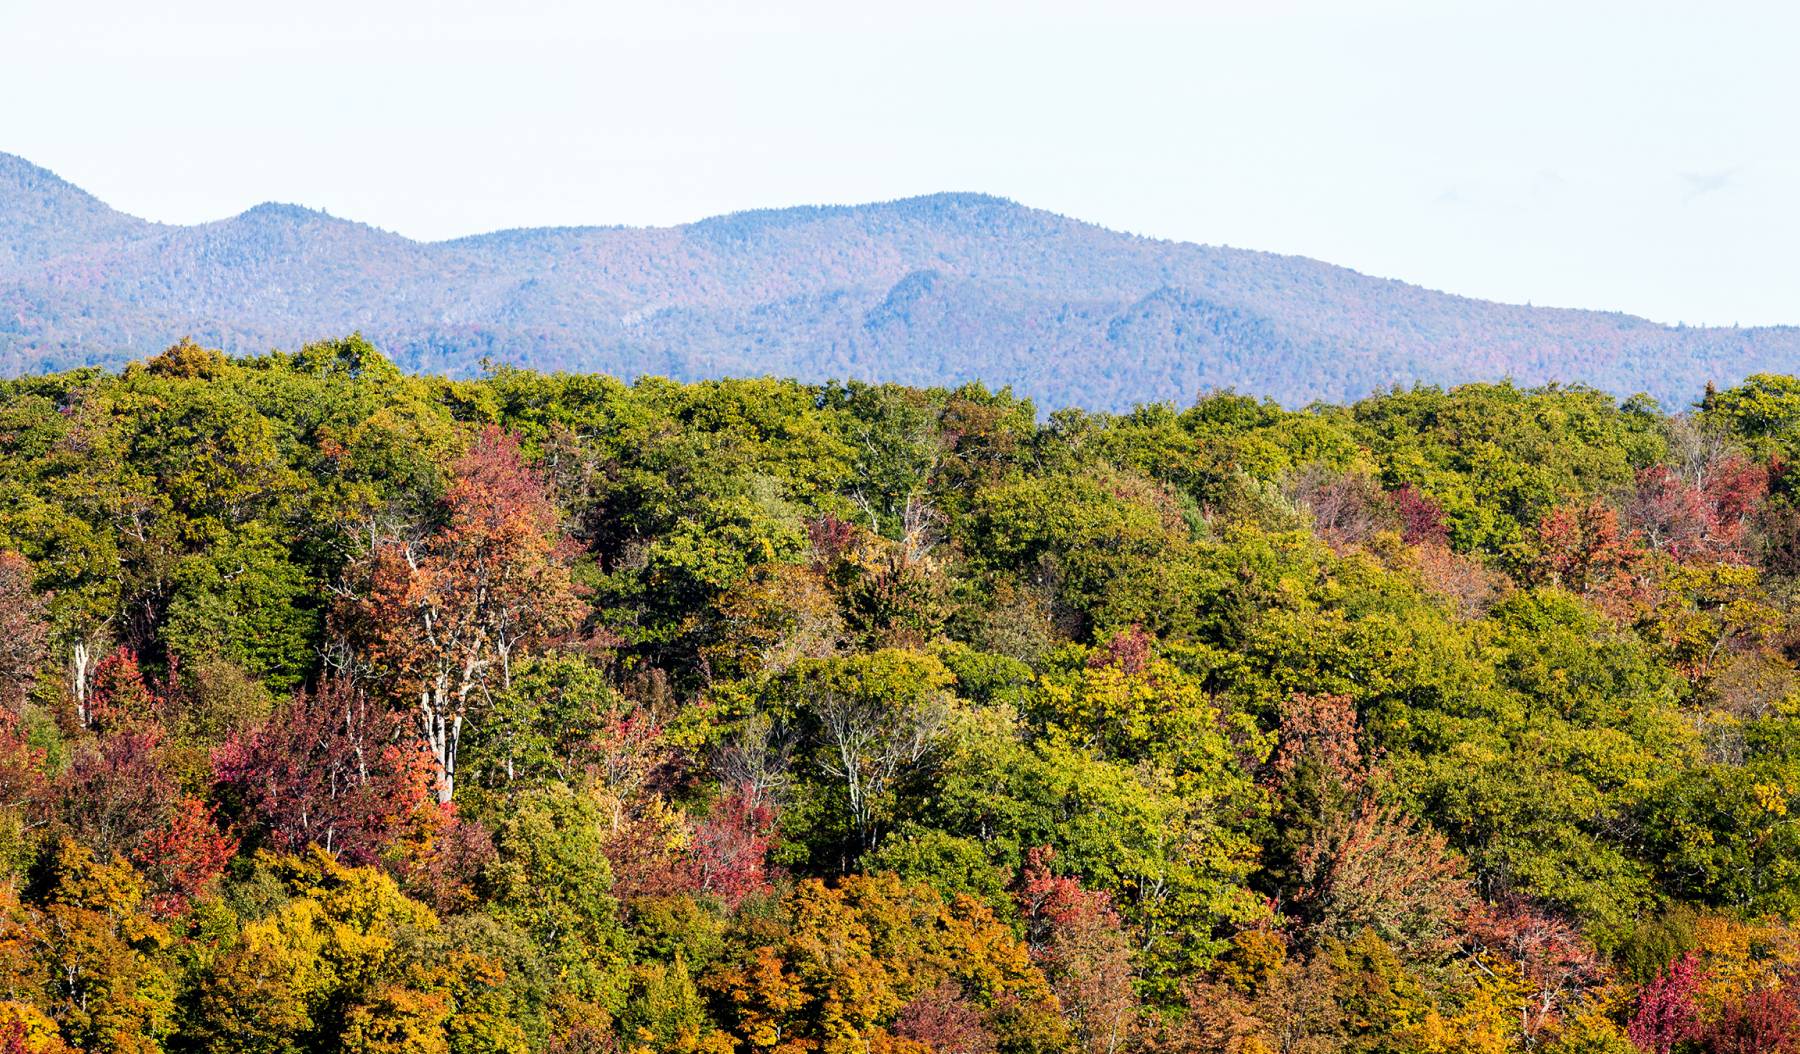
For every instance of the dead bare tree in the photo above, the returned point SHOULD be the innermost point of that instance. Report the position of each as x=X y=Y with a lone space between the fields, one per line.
x=871 y=741
x=756 y=760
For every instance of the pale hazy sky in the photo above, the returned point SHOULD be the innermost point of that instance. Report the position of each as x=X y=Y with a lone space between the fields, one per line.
x=1641 y=156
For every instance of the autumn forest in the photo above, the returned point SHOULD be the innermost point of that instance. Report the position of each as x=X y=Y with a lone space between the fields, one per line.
x=343 y=709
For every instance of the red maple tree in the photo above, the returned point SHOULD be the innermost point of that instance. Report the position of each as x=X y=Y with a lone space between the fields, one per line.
x=1422 y=521
x=446 y=615
x=332 y=769
x=182 y=857
x=1704 y=519
x=1076 y=938
x=117 y=788
x=1765 y=1021
x=1557 y=965
x=120 y=695
x=730 y=853
x=1668 y=1008
x=1584 y=549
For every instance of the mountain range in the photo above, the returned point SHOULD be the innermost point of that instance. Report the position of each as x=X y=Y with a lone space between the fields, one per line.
x=929 y=290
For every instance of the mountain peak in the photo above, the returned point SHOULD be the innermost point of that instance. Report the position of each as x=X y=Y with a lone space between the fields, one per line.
x=947 y=200
x=942 y=207
x=24 y=185
x=281 y=212
x=43 y=216
x=13 y=167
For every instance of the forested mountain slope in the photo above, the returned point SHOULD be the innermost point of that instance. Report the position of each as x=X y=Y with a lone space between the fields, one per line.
x=343 y=709
x=934 y=290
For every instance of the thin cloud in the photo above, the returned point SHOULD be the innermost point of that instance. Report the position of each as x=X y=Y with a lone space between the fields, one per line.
x=1703 y=183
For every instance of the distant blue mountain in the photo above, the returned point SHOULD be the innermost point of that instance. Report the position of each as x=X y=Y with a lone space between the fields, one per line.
x=932 y=290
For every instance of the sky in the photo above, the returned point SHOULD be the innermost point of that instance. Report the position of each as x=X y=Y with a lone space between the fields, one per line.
x=1633 y=156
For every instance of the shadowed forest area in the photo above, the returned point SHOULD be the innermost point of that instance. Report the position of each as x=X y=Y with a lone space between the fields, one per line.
x=346 y=709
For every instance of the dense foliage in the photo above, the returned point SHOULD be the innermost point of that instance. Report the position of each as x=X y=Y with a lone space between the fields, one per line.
x=934 y=290
x=342 y=709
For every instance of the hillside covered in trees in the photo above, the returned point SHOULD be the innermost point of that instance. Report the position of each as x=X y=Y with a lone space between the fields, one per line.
x=348 y=710
x=937 y=290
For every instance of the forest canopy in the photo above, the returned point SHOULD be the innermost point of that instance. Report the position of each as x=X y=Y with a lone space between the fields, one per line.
x=344 y=709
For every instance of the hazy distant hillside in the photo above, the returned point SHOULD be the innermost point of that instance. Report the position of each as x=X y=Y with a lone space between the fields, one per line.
x=929 y=290
x=42 y=216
